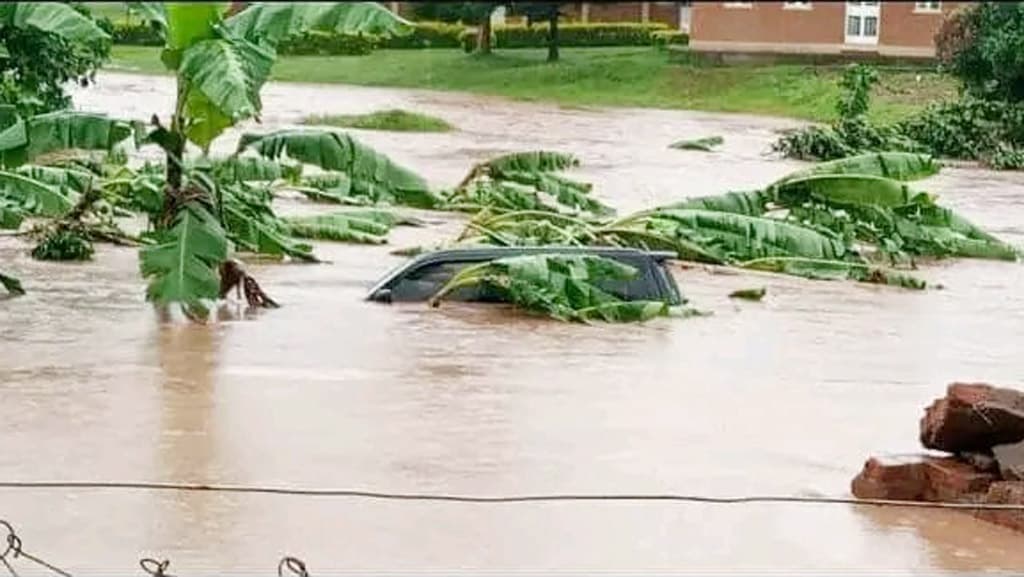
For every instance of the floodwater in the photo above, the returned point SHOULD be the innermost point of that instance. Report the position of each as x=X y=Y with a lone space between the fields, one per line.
x=787 y=396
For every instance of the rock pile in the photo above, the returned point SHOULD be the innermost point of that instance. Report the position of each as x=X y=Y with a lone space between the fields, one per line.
x=981 y=427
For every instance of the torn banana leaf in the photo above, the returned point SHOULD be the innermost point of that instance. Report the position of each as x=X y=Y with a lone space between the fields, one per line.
x=365 y=228
x=844 y=190
x=253 y=169
x=11 y=215
x=752 y=203
x=371 y=172
x=532 y=161
x=567 y=192
x=817 y=269
x=732 y=237
x=35 y=196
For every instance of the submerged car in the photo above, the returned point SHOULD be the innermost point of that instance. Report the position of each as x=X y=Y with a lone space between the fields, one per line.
x=423 y=276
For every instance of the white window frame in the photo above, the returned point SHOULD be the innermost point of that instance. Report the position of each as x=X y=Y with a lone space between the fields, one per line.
x=796 y=5
x=738 y=5
x=927 y=7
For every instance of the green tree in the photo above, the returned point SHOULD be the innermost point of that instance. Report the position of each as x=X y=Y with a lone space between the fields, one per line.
x=220 y=64
x=473 y=13
x=983 y=45
x=538 y=12
x=43 y=46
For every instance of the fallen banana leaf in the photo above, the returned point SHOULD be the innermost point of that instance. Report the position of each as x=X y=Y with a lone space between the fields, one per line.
x=11 y=284
x=817 y=269
x=752 y=203
x=844 y=189
x=706 y=144
x=904 y=166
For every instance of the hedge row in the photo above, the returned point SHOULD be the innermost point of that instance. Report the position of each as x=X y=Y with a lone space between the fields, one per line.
x=570 y=35
x=441 y=35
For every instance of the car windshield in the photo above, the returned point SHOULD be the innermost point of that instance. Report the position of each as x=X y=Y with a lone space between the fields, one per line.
x=424 y=281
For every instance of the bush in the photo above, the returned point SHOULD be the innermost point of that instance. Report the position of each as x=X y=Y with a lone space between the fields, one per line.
x=135 y=34
x=663 y=38
x=570 y=35
x=326 y=44
x=984 y=47
x=428 y=35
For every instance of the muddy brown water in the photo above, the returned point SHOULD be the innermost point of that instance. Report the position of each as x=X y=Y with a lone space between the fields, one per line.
x=787 y=396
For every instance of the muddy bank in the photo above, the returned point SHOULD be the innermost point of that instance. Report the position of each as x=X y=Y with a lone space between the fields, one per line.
x=332 y=391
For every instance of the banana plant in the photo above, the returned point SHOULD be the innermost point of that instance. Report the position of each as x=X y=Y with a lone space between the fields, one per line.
x=220 y=63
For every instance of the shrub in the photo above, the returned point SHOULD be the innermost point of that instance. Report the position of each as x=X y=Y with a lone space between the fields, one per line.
x=984 y=47
x=428 y=35
x=571 y=34
x=663 y=38
x=135 y=34
x=325 y=44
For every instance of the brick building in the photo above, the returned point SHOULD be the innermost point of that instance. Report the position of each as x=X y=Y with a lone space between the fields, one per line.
x=676 y=15
x=893 y=29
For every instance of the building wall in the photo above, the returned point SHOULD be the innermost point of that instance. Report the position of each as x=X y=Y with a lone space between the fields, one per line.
x=769 y=26
x=614 y=11
x=768 y=22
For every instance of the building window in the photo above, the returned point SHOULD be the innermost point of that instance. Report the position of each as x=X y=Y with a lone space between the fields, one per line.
x=738 y=4
x=796 y=5
x=928 y=7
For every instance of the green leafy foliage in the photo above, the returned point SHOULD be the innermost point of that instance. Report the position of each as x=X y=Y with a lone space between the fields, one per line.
x=706 y=144
x=565 y=287
x=270 y=23
x=393 y=119
x=11 y=284
x=183 y=265
x=982 y=46
x=835 y=270
x=33 y=196
x=43 y=46
x=364 y=227
x=525 y=181
x=903 y=166
x=574 y=34
x=370 y=173
x=64 y=244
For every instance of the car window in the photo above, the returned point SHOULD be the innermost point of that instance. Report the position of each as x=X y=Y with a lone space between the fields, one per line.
x=423 y=282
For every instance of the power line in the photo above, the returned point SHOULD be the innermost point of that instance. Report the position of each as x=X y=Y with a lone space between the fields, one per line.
x=483 y=499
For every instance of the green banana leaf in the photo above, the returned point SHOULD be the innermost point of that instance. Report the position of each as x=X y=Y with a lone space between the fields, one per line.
x=183 y=267
x=271 y=22
x=372 y=174
x=530 y=162
x=61 y=131
x=253 y=169
x=356 y=227
x=733 y=237
x=567 y=192
x=252 y=224
x=564 y=287
x=751 y=203
x=34 y=196
x=844 y=189
x=13 y=135
x=707 y=144
x=11 y=215
x=818 y=269
x=70 y=178
x=903 y=166
x=11 y=284
x=55 y=18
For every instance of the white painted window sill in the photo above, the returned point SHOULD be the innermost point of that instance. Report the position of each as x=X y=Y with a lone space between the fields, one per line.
x=797 y=8
x=927 y=11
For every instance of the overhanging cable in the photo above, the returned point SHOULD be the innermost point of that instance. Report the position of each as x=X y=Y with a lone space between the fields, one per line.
x=483 y=499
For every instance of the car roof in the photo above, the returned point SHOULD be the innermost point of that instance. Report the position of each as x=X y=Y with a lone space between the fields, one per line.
x=485 y=253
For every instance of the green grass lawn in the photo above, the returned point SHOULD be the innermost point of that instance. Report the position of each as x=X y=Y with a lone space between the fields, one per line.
x=641 y=77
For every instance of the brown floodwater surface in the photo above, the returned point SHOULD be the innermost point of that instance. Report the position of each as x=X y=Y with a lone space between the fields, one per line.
x=786 y=396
